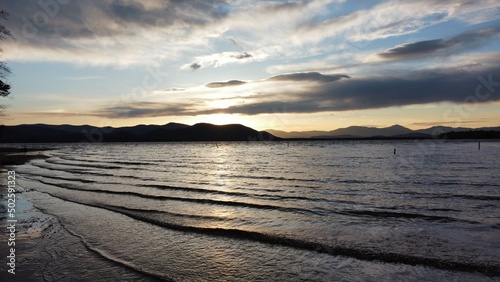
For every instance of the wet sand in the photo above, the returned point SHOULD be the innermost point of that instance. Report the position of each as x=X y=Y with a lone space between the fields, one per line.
x=46 y=251
x=32 y=231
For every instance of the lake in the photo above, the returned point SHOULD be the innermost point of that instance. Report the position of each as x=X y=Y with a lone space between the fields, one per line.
x=278 y=211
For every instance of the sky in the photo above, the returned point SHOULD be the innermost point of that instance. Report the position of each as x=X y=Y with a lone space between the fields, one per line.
x=284 y=65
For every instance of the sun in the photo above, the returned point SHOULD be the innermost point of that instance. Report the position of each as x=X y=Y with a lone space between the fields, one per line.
x=221 y=119
x=221 y=104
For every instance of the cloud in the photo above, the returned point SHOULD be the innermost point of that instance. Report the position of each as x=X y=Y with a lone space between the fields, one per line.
x=414 y=49
x=393 y=18
x=376 y=93
x=195 y=66
x=316 y=92
x=225 y=84
x=175 y=89
x=462 y=41
x=224 y=58
x=308 y=76
x=146 y=109
x=103 y=18
x=110 y=32
x=131 y=32
x=244 y=55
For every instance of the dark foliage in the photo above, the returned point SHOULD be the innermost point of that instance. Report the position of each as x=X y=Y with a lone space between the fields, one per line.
x=471 y=134
x=4 y=70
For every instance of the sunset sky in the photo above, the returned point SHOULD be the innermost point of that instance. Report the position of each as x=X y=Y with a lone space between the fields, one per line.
x=286 y=65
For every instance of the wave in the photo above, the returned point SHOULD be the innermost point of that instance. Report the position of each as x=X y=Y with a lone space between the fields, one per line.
x=384 y=214
x=280 y=178
x=101 y=165
x=101 y=161
x=127 y=163
x=488 y=268
x=172 y=214
x=71 y=186
x=448 y=195
x=83 y=172
x=206 y=191
x=259 y=196
x=102 y=253
x=79 y=164
x=313 y=210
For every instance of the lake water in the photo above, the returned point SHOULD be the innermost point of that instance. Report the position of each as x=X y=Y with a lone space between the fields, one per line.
x=277 y=211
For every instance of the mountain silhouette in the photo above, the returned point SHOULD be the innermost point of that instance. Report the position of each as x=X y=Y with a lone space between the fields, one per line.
x=172 y=132
x=395 y=131
x=177 y=132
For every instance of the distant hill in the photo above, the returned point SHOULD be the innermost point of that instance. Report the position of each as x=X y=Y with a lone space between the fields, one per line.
x=360 y=131
x=43 y=133
x=296 y=134
x=395 y=131
x=348 y=132
x=437 y=130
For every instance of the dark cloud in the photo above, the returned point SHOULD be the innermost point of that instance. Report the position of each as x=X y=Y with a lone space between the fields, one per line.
x=420 y=87
x=462 y=41
x=225 y=84
x=244 y=55
x=97 y=18
x=415 y=49
x=371 y=93
x=146 y=109
x=308 y=76
x=195 y=66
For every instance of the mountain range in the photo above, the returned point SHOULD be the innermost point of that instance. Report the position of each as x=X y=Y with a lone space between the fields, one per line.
x=176 y=132
x=171 y=132
x=395 y=131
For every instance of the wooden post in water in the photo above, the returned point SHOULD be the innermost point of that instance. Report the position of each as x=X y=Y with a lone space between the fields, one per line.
x=478 y=145
x=394 y=151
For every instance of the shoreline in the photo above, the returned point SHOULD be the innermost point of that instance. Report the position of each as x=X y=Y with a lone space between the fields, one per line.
x=31 y=228
x=44 y=249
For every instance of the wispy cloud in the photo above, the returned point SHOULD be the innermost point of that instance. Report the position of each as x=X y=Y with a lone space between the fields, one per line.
x=120 y=33
x=308 y=76
x=220 y=59
x=126 y=33
x=224 y=84
x=462 y=41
